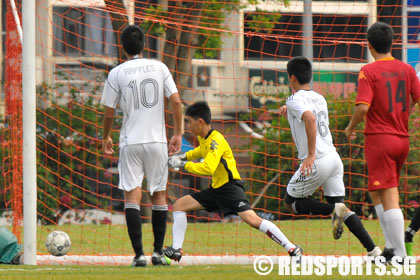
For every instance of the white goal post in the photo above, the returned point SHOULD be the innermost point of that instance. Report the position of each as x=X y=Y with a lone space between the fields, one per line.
x=29 y=132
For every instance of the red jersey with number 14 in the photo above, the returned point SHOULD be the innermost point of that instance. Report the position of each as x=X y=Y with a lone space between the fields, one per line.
x=388 y=86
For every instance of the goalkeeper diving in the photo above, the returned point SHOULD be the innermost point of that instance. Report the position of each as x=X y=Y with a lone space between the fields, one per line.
x=226 y=192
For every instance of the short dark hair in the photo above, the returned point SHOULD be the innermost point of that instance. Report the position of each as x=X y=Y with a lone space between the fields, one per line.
x=379 y=35
x=132 y=39
x=198 y=110
x=301 y=68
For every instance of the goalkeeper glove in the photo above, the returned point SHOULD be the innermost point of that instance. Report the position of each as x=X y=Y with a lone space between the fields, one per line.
x=180 y=157
x=177 y=162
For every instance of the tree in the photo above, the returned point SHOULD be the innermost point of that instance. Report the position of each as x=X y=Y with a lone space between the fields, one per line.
x=119 y=19
x=188 y=26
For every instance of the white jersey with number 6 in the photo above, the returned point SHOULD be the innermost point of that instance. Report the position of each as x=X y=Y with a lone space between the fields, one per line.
x=140 y=86
x=300 y=102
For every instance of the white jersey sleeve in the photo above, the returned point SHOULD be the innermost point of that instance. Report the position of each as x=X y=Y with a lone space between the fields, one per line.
x=299 y=103
x=111 y=93
x=296 y=108
x=168 y=82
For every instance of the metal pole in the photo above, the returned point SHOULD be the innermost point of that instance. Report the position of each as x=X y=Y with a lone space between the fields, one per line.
x=404 y=28
x=307 y=30
x=372 y=18
x=264 y=190
x=29 y=134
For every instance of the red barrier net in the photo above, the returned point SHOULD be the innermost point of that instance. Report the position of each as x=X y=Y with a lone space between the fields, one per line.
x=233 y=56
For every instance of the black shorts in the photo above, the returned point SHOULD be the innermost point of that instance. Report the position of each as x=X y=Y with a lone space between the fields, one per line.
x=229 y=198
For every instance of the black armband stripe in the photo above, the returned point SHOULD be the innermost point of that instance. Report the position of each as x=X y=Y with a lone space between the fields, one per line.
x=223 y=161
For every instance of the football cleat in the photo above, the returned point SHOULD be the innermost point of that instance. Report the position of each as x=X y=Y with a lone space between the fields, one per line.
x=174 y=254
x=296 y=253
x=388 y=254
x=160 y=259
x=140 y=261
x=376 y=252
x=337 y=219
x=18 y=259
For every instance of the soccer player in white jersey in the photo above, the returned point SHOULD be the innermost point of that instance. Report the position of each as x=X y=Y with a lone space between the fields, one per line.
x=139 y=86
x=321 y=165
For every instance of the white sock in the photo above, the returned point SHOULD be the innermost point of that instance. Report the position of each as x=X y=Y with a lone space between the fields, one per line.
x=275 y=233
x=395 y=223
x=380 y=212
x=179 y=228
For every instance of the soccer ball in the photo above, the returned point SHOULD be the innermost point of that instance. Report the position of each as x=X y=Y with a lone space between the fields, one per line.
x=58 y=243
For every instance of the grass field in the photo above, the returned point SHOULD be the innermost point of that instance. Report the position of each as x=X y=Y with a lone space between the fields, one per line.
x=206 y=272
x=314 y=236
x=209 y=238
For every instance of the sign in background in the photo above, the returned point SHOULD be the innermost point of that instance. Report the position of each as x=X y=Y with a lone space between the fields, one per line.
x=272 y=86
x=413 y=29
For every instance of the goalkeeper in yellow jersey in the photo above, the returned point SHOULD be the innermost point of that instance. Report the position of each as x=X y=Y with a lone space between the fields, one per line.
x=226 y=192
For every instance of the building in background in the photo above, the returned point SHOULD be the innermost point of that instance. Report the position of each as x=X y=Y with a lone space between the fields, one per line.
x=76 y=45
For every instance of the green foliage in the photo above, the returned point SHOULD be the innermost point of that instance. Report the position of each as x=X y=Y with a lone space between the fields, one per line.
x=263 y=22
x=272 y=155
x=410 y=175
x=212 y=16
x=211 y=20
x=71 y=169
x=352 y=154
x=151 y=24
x=209 y=39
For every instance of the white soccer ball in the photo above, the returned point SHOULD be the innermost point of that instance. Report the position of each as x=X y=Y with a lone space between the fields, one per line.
x=58 y=243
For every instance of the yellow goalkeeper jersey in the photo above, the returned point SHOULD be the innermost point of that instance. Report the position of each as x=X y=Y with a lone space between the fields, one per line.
x=218 y=159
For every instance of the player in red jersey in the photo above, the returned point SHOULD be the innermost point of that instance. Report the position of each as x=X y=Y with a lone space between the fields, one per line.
x=386 y=91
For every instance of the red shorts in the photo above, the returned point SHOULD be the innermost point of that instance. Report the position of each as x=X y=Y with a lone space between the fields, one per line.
x=385 y=155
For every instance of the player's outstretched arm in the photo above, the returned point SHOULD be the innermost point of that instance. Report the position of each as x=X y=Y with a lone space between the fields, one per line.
x=209 y=165
x=176 y=140
x=358 y=116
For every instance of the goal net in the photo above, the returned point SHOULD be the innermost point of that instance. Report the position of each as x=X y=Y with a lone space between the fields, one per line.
x=232 y=55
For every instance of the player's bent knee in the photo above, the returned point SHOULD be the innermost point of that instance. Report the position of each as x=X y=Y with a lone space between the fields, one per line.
x=292 y=204
x=179 y=205
x=299 y=208
x=187 y=203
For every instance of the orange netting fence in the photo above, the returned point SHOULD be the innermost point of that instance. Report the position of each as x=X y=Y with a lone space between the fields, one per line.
x=234 y=56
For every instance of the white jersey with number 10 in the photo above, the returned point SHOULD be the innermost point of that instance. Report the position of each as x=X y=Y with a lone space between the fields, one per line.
x=140 y=86
x=300 y=102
